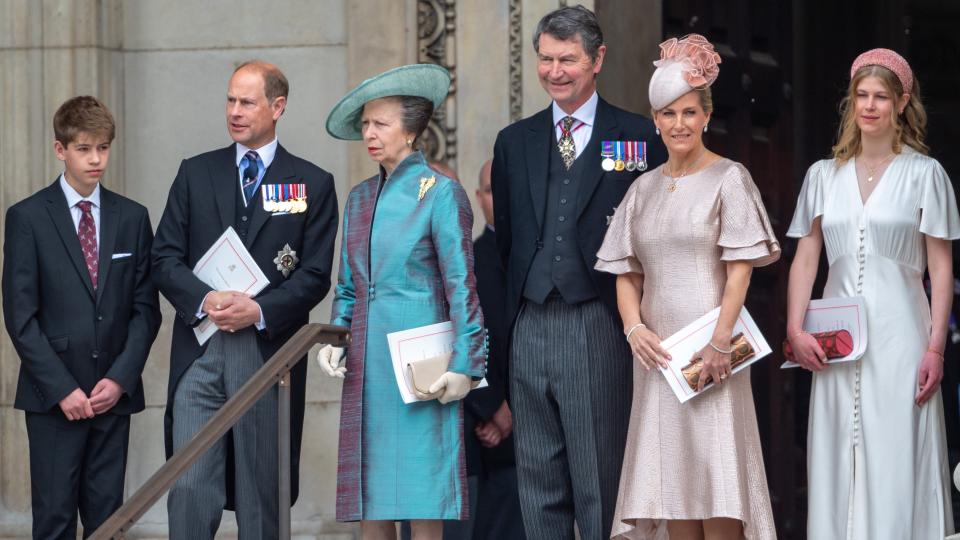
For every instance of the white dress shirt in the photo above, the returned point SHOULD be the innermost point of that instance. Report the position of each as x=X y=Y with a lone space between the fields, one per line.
x=585 y=115
x=75 y=212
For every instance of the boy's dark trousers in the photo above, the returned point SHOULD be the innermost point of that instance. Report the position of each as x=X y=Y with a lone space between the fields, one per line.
x=75 y=465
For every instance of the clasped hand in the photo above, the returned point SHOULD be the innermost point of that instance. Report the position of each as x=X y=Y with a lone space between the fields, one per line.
x=493 y=431
x=231 y=310
x=78 y=406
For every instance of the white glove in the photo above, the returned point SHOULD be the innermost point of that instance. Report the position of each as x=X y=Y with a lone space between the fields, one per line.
x=454 y=385
x=329 y=359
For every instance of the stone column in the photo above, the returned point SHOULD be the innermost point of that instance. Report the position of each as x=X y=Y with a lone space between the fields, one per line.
x=49 y=51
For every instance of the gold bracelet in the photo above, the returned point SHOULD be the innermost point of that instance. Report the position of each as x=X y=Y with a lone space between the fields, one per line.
x=936 y=352
x=797 y=333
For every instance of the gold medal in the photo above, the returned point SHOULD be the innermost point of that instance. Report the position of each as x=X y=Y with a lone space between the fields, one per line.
x=619 y=165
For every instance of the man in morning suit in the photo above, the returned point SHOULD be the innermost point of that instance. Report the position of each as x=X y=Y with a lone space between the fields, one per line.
x=293 y=246
x=570 y=366
x=82 y=313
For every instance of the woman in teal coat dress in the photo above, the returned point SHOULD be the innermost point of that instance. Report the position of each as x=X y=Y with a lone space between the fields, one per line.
x=406 y=261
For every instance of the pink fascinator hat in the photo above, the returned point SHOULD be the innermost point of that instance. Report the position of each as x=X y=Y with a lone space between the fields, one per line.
x=686 y=63
x=888 y=59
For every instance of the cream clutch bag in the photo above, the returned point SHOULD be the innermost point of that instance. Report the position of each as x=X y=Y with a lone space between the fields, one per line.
x=423 y=373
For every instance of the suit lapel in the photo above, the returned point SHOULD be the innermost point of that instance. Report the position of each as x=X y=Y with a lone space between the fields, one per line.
x=226 y=182
x=539 y=139
x=109 y=223
x=60 y=215
x=279 y=172
x=604 y=129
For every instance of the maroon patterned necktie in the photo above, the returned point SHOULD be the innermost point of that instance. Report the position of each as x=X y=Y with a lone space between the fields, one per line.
x=87 y=231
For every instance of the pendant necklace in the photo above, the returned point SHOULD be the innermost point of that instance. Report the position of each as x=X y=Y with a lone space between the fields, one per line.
x=872 y=170
x=673 y=185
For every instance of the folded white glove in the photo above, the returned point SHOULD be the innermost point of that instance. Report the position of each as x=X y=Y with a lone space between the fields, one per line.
x=329 y=359
x=454 y=385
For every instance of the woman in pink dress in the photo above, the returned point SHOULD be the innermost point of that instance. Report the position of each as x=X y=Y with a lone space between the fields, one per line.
x=684 y=240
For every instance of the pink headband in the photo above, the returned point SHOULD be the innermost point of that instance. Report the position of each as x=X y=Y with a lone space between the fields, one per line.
x=888 y=59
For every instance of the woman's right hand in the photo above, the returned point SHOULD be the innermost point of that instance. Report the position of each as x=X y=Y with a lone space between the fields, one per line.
x=807 y=352
x=646 y=348
x=329 y=359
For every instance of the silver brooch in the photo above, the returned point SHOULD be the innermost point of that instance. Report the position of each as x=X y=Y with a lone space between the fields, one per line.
x=286 y=260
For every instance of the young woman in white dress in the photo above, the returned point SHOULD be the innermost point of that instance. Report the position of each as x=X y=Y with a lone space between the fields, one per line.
x=885 y=211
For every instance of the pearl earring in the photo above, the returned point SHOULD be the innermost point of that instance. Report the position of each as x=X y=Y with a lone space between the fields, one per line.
x=705 y=127
x=409 y=142
x=658 y=131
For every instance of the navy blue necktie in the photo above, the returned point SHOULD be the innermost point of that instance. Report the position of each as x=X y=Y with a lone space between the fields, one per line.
x=250 y=175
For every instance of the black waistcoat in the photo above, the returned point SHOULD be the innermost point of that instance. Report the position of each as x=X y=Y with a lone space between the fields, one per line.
x=558 y=264
x=244 y=212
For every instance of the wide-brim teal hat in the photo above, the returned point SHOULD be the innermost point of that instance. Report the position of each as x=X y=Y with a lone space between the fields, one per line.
x=428 y=81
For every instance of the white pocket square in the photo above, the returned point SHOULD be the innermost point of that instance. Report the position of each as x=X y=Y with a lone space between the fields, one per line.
x=116 y=256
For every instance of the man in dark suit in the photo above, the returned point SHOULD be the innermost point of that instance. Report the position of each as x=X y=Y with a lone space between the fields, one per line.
x=241 y=186
x=498 y=504
x=571 y=368
x=82 y=313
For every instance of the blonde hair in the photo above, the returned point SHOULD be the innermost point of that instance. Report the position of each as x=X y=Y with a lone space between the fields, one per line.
x=910 y=126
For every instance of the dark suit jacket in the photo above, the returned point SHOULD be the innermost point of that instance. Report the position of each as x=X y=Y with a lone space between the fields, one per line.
x=521 y=162
x=201 y=205
x=67 y=335
x=482 y=403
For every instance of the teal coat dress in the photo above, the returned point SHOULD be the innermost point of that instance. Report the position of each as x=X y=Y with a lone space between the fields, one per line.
x=405 y=262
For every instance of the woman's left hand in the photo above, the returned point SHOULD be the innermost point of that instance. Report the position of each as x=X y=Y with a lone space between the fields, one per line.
x=929 y=377
x=454 y=386
x=716 y=366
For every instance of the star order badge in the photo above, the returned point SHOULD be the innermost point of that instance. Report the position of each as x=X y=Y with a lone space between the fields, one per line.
x=286 y=260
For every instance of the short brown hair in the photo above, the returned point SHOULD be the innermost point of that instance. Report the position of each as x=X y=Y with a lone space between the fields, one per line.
x=83 y=114
x=274 y=81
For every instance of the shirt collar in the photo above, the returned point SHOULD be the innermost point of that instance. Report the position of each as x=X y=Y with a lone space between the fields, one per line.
x=73 y=197
x=585 y=114
x=266 y=152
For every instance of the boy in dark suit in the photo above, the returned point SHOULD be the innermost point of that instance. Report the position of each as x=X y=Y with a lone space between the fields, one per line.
x=82 y=313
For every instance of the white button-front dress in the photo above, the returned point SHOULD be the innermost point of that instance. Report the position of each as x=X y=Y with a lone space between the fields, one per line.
x=877 y=463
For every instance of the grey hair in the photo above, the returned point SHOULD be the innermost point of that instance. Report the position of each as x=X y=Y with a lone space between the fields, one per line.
x=567 y=23
x=416 y=114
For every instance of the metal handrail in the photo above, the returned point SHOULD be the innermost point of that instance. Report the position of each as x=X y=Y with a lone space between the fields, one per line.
x=274 y=371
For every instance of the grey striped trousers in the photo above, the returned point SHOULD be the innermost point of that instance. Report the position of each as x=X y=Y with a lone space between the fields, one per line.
x=195 y=503
x=571 y=377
